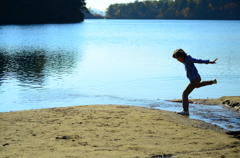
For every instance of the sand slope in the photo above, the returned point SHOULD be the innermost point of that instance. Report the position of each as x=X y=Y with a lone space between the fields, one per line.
x=110 y=131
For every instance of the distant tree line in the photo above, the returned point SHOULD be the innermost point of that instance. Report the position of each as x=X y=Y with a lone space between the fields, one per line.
x=93 y=15
x=176 y=9
x=41 y=11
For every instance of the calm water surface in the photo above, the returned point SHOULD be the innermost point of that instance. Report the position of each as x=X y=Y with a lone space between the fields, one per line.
x=117 y=62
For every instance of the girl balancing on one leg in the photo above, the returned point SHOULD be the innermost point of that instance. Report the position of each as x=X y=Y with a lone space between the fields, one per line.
x=192 y=75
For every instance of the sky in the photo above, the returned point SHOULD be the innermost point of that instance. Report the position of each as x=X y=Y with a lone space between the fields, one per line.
x=103 y=4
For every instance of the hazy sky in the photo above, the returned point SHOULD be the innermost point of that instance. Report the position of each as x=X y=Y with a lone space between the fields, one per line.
x=103 y=4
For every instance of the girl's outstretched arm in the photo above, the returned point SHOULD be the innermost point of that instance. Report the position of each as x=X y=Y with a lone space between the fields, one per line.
x=213 y=62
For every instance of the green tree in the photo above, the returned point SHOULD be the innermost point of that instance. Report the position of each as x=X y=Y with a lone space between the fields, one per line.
x=178 y=9
x=41 y=11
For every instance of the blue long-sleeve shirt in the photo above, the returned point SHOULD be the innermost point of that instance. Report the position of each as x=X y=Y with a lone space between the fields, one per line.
x=191 y=70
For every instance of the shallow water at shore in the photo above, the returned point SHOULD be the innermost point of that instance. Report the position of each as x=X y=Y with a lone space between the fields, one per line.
x=219 y=115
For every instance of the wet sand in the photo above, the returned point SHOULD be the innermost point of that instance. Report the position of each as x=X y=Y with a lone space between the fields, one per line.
x=229 y=101
x=109 y=131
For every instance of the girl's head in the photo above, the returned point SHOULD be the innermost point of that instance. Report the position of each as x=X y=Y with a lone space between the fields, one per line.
x=180 y=55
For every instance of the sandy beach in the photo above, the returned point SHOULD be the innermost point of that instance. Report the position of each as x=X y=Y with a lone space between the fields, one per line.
x=111 y=131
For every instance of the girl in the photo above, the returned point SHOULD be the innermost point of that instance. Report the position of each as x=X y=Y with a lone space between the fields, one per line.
x=192 y=75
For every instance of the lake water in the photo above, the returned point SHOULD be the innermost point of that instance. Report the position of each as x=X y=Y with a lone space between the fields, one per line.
x=117 y=62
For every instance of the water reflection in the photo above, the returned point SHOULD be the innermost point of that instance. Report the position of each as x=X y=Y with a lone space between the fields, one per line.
x=31 y=67
x=2 y=66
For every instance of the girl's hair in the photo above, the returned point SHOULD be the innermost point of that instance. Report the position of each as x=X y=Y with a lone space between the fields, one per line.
x=179 y=53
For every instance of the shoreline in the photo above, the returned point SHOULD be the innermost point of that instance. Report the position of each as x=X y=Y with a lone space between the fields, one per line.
x=232 y=102
x=111 y=131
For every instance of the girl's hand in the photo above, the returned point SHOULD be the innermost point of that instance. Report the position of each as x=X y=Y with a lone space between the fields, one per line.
x=213 y=62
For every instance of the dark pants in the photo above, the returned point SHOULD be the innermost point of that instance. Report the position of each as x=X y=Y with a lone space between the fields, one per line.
x=190 y=87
